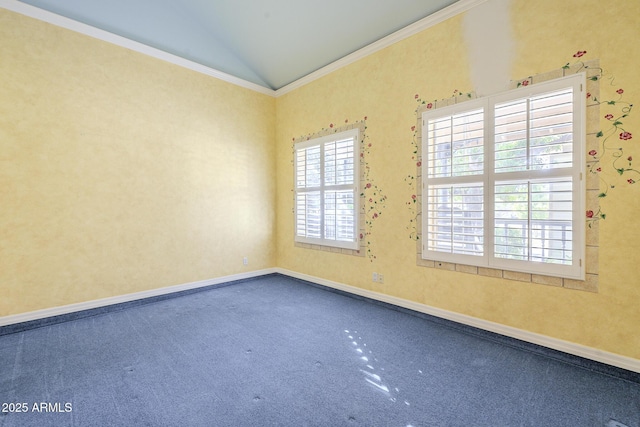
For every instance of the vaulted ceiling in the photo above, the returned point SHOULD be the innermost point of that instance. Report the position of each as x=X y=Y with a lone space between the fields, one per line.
x=271 y=43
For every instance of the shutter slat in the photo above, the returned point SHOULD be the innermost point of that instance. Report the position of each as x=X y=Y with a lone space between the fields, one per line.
x=534 y=133
x=455 y=145
x=533 y=221
x=455 y=219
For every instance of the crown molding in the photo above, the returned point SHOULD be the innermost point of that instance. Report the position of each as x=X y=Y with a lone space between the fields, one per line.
x=442 y=15
x=88 y=30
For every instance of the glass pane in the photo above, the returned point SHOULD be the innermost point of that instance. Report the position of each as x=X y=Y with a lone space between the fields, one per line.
x=551 y=225
x=534 y=133
x=511 y=223
x=511 y=136
x=455 y=145
x=339 y=215
x=339 y=162
x=551 y=133
x=455 y=219
x=308 y=167
x=533 y=220
x=308 y=213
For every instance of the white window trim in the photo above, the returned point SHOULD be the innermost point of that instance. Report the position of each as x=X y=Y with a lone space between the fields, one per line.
x=321 y=141
x=577 y=269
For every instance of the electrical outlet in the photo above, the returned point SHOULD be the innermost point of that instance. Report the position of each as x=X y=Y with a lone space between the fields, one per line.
x=380 y=278
x=374 y=277
x=245 y=261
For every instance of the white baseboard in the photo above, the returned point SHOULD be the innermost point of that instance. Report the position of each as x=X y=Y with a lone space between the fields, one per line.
x=72 y=308
x=612 y=359
x=542 y=340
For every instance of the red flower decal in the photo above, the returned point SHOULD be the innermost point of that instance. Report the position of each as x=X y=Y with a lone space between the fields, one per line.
x=593 y=152
x=588 y=95
x=370 y=200
x=631 y=181
x=413 y=196
x=368 y=185
x=413 y=128
x=419 y=164
x=599 y=170
x=361 y=236
x=620 y=91
x=361 y=154
x=417 y=96
x=525 y=83
x=579 y=53
x=429 y=105
x=589 y=214
x=629 y=158
x=609 y=116
x=625 y=136
x=346 y=120
x=331 y=125
x=375 y=215
x=365 y=117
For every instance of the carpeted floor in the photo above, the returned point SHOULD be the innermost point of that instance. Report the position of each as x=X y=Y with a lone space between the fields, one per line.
x=275 y=351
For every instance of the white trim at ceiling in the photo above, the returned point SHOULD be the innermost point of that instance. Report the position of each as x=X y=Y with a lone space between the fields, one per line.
x=34 y=12
x=88 y=30
x=442 y=15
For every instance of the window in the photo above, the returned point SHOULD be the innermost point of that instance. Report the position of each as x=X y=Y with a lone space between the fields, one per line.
x=326 y=191
x=503 y=180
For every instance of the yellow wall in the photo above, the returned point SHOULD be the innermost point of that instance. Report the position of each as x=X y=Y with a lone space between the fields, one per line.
x=545 y=34
x=122 y=173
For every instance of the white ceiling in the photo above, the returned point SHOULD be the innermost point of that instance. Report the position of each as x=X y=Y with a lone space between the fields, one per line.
x=271 y=43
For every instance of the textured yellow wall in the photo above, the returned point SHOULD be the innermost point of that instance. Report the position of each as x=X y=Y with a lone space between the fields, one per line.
x=121 y=173
x=544 y=35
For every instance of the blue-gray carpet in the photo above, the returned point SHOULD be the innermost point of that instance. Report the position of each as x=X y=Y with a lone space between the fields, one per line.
x=275 y=351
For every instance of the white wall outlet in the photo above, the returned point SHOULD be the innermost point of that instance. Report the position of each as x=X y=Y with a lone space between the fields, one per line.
x=245 y=261
x=374 y=277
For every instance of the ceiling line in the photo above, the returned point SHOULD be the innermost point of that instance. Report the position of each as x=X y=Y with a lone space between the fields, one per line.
x=34 y=12
x=88 y=30
x=429 y=21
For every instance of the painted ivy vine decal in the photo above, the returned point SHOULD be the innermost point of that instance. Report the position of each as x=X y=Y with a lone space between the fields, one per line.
x=611 y=154
x=612 y=138
x=412 y=180
x=371 y=196
x=372 y=199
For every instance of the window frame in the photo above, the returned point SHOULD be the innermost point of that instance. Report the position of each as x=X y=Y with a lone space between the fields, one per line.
x=322 y=141
x=489 y=177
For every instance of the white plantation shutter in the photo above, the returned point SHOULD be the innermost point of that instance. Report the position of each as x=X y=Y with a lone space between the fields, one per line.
x=534 y=133
x=453 y=141
x=326 y=207
x=533 y=221
x=530 y=182
x=308 y=214
x=456 y=219
x=455 y=144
